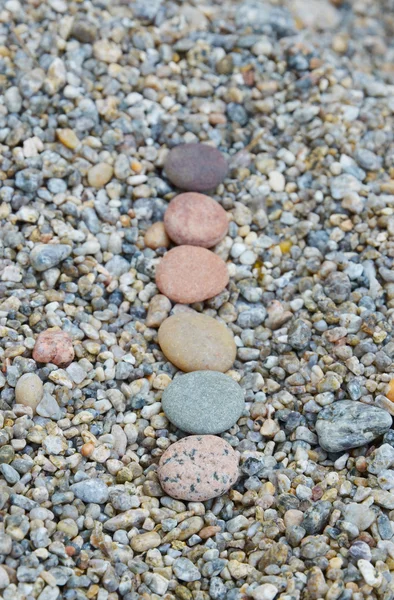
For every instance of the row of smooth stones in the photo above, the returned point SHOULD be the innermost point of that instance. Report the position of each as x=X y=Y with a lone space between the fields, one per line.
x=203 y=401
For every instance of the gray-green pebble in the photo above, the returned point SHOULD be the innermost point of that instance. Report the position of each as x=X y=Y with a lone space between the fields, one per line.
x=203 y=402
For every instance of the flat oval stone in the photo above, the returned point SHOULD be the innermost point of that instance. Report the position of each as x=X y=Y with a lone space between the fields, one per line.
x=189 y=274
x=195 y=167
x=203 y=402
x=29 y=390
x=196 y=220
x=348 y=424
x=198 y=467
x=54 y=346
x=194 y=342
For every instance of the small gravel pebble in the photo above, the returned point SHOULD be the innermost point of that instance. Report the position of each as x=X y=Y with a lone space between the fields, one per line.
x=47 y=256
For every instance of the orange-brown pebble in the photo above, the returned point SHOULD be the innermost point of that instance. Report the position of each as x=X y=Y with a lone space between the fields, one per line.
x=87 y=449
x=390 y=392
x=70 y=550
x=54 y=346
x=156 y=236
x=207 y=532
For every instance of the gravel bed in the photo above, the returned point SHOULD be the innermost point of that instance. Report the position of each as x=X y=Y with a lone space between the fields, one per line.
x=298 y=97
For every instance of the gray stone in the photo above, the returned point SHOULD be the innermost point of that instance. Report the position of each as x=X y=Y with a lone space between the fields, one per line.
x=9 y=473
x=203 y=402
x=359 y=550
x=348 y=424
x=252 y=317
x=368 y=160
x=299 y=334
x=381 y=459
x=316 y=517
x=91 y=490
x=359 y=515
x=4 y=578
x=49 y=407
x=46 y=256
x=23 y=502
x=343 y=184
x=5 y=543
x=386 y=479
x=117 y=266
x=28 y=180
x=337 y=287
x=185 y=570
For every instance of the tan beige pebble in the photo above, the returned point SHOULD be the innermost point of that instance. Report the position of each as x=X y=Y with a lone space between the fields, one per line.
x=107 y=51
x=69 y=527
x=239 y=570
x=54 y=346
x=145 y=541
x=185 y=529
x=198 y=467
x=161 y=381
x=29 y=391
x=269 y=428
x=156 y=236
x=293 y=517
x=159 y=308
x=196 y=220
x=100 y=175
x=257 y=410
x=68 y=138
x=196 y=342
x=189 y=274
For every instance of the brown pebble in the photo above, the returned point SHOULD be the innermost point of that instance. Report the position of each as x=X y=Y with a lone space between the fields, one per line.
x=195 y=342
x=207 y=532
x=198 y=467
x=196 y=220
x=54 y=346
x=189 y=274
x=99 y=175
x=196 y=167
x=156 y=236
x=87 y=449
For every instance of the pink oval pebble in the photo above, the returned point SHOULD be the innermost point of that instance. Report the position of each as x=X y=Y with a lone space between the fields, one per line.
x=195 y=219
x=198 y=467
x=54 y=346
x=189 y=274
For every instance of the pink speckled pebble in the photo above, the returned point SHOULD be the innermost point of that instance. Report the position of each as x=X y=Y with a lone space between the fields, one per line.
x=54 y=346
x=198 y=467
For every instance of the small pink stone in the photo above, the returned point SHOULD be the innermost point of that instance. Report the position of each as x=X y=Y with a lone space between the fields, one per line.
x=54 y=346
